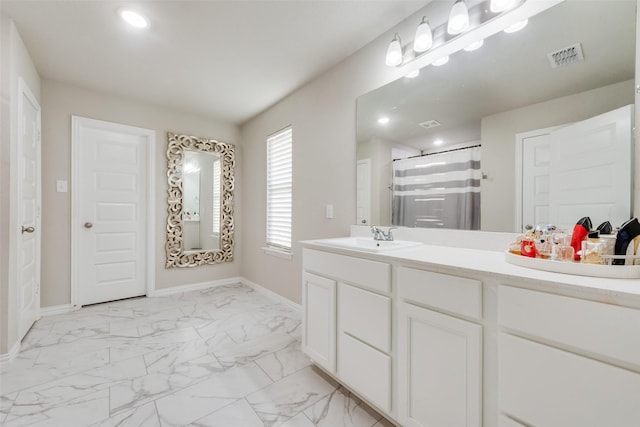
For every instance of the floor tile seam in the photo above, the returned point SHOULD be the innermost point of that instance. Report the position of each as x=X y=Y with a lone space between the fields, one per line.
x=61 y=404
x=221 y=408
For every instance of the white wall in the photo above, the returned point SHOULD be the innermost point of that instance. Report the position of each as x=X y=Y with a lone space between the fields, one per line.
x=323 y=116
x=16 y=63
x=60 y=102
x=498 y=143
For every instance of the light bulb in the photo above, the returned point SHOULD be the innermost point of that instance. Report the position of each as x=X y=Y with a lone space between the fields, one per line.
x=440 y=61
x=474 y=46
x=497 y=6
x=423 y=39
x=516 y=27
x=383 y=120
x=394 y=52
x=458 y=18
x=438 y=142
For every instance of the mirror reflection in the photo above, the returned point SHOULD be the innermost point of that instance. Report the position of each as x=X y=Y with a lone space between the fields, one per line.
x=201 y=211
x=565 y=67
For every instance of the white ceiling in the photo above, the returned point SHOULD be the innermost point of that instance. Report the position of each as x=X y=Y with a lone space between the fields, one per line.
x=224 y=59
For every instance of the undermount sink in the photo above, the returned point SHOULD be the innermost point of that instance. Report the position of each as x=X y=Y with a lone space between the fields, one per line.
x=367 y=244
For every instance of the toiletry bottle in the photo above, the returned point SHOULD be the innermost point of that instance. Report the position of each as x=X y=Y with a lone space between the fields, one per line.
x=628 y=231
x=580 y=232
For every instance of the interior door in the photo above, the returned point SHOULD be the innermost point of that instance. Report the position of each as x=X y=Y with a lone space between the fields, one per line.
x=363 y=192
x=29 y=210
x=536 y=158
x=591 y=169
x=111 y=190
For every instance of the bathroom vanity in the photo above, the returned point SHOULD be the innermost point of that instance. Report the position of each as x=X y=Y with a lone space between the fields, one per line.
x=441 y=336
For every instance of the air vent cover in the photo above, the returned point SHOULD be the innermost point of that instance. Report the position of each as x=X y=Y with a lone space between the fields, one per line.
x=430 y=124
x=566 y=56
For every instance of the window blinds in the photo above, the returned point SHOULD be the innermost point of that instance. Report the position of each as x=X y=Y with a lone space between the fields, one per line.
x=279 y=189
x=216 y=197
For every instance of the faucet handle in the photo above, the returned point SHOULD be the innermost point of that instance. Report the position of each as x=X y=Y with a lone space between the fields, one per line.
x=388 y=235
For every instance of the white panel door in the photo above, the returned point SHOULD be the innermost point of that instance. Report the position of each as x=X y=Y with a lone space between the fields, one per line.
x=591 y=171
x=111 y=212
x=363 y=192
x=536 y=159
x=439 y=369
x=29 y=211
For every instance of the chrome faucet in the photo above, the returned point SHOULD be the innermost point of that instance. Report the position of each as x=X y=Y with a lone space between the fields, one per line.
x=378 y=234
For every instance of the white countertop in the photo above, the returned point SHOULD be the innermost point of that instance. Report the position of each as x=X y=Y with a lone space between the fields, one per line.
x=493 y=264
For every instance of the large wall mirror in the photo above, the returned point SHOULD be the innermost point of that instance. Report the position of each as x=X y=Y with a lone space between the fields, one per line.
x=200 y=201
x=492 y=98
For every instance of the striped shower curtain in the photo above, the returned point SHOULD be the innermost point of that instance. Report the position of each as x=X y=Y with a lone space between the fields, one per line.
x=438 y=190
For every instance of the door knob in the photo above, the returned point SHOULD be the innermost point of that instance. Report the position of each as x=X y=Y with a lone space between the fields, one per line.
x=88 y=225
x=28 y=229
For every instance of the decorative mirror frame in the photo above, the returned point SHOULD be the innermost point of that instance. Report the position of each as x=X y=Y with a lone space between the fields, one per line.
x=174 y=245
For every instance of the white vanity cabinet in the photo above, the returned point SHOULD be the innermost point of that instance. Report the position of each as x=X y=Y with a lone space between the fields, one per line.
x=565 y=361
x=347 y=321
x=439 y=353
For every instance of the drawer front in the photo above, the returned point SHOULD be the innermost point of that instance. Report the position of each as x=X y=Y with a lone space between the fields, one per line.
x=441 y=291
x=365 y=315
x=366 y=370
x=363 y=272
x=544 y=386
x=602 y=329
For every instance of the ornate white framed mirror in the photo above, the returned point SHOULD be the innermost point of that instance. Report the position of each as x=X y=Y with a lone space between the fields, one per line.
x=200 y=224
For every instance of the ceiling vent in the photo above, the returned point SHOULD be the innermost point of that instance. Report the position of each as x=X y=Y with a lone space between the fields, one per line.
x=566 y=56
x=430 y=124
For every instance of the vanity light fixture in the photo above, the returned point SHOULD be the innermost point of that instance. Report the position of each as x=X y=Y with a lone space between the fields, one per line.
x=134 y=19
x=458 y=18
x=423 y=39
x=394 y=52
x=474 y=46
x=441 y=61
x=516 y=27
x=383 y=120
x=413 y=74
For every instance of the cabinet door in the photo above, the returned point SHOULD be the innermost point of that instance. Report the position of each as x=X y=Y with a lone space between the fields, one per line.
x=440 y=369
x=319 y=321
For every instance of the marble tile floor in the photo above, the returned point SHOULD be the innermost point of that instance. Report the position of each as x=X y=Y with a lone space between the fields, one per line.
x=226 y=356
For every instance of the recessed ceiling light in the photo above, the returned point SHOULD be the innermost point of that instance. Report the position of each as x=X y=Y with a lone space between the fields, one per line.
x=516 y=27
x=438 y=142
x=134 y=18
x=441 y=61
x=474 y=46
x=413 y=74
x=383 y=120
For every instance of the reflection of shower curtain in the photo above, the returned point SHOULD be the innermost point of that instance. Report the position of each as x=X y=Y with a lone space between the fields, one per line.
x=438 y=190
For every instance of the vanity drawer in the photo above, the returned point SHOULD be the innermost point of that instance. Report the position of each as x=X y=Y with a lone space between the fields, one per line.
x=604 y=329
x=366 y=370
x=441 y=291
x=545 y=386
x=363 y=272
x=365 y=315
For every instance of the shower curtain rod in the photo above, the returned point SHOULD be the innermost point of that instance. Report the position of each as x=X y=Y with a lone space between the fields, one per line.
x=440 y=152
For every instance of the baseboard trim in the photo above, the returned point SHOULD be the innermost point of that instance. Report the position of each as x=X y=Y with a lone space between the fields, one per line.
x=269 y=293
x=56 y=309
x=6 y=358
x=194 y=287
